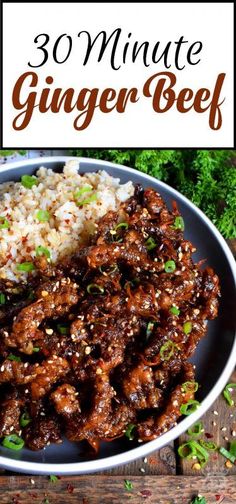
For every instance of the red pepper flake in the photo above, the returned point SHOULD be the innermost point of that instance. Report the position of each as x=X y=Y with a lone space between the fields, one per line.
x=219 y=498
x=152 y=460
x=208 y=435
x=67 y=221
x=146 y=493
x=70 y=488
x=24 y=239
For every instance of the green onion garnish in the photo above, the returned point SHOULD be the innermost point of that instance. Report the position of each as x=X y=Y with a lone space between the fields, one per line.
x=150 y=244
x=13 y=357
x=167 y=350
x=108 y=269
x=83 y=190
x=88 y=200
x=193 y=449
x=187 y=327
x=179 y=223
x=209 y=445
x=13 y=442
x=42 y=251
x=113 y=232
x=4 y=223
x=2 y=298
x=63 y=329
x=128 y=485
x=195 y=430
x=129 y=433
x=190 y=407
x=174 y=310
x=190 y=386
x=25 y=419
x=43 y=215
x=227 y=454
x=36 y=349
x=227 y=393
x=29 y=181
x=95 y=289
x=232 y=448
x=25 y=266
x=170 y=266
x=53 y=478
x=149 y=329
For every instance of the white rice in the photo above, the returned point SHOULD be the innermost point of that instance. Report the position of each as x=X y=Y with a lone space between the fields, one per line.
x=69 y=224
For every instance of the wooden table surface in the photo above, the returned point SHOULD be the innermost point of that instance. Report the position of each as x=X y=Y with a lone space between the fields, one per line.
x=161 y=478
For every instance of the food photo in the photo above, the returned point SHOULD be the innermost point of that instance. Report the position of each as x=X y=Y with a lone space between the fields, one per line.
x=116 y=319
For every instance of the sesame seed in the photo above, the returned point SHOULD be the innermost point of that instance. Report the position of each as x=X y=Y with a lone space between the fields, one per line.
x=234 y=433
x=87 y=350
x=142 y=470
x=32 y=481
x=145 y=460
x=215 y=412
x=44 y=293
x=2 y=368
x=49 y=331
x=223 y=429
x=98 y=371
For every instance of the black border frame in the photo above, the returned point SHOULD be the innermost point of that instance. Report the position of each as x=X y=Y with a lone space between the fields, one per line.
x=105 y=147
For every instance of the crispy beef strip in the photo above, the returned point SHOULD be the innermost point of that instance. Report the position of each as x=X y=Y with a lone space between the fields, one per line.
x=88 y=363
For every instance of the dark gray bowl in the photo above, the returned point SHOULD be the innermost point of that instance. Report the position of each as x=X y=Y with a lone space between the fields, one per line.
x=215 y=357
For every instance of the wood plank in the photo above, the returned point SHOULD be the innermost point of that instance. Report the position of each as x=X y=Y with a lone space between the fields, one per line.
x=110 y=489
x=159 y=462
x=220 y=422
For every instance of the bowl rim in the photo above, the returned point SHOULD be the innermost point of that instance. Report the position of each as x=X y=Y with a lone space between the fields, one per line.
x=183 y=425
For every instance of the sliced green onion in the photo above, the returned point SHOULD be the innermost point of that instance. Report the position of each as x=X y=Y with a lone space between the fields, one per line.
x=2 y=298
x=128 y=485
x=29 y=181
x=232 y=448
x=170 y=266
x=209 y=445
x=129 y=433
x=95 y=289
x=13 y=357
x=4 y=223
x=150 y=244
x=108 y=269
x=36 y=349
x=174 y=310
x=193 y=449
x=190 y=386
x=53 y=478
x=227 y=393
x=167 y=350
x=179 y=223
x=63 y=329
x=195 y=430
x=149 y=329
x=187 y=450
x=13 y=442
x=113 y=232
x=187 y=327
x=42 y=251
x=190 y=407
x=25 y=419
x=83 y=190
x=26 y=267
x=43 y=215
x=88 y=200
x=227 y=454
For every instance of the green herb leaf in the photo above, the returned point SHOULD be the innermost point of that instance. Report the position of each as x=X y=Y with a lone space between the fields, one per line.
x=199 y=500
x=232 y=448
x=53 y=478
x=174 y=310
x=179 y=223
x=42 y=251
x=187 y=327
x=29 y=181
x=128 y=485
x=36 y=349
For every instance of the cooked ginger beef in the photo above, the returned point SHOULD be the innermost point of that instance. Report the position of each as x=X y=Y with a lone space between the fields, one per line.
x=103 y=340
